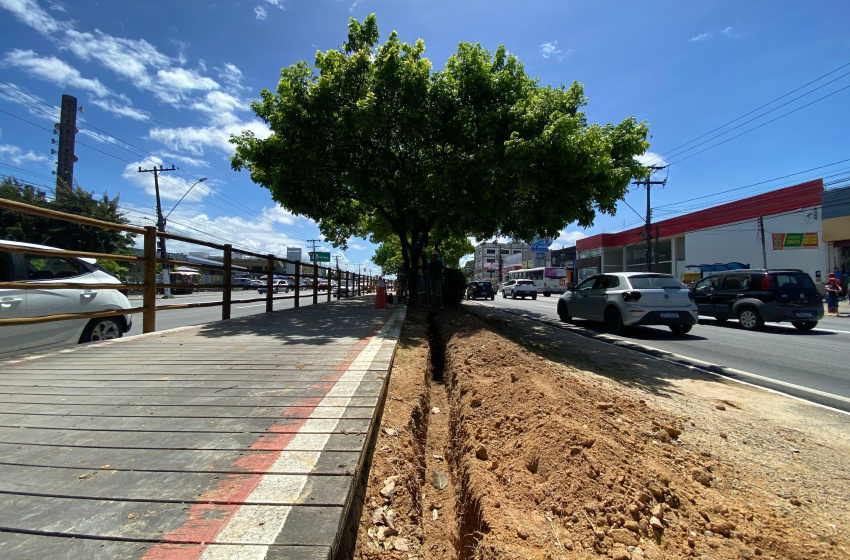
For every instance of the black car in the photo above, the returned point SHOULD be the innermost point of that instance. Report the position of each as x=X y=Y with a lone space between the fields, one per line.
x=480 y=289
x=758 y=296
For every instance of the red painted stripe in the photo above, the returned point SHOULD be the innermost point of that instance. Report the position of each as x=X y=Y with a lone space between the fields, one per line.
x=204 y=520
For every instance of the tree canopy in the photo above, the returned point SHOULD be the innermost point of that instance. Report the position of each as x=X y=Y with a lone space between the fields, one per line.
x=15 y=226
x=373 y=141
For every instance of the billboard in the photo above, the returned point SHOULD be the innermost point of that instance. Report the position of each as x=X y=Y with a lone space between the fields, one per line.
x=782 y=241
x=293 y=253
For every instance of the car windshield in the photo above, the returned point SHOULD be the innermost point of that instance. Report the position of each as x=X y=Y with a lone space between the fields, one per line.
x=481 y=284
x=648 y=281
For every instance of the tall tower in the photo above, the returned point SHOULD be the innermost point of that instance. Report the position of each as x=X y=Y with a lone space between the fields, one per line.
x=67 y=128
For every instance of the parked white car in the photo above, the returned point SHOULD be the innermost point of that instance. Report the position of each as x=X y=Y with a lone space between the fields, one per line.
x=519 y=288
x=39 y=269
x=624 y=299
x=277 y=286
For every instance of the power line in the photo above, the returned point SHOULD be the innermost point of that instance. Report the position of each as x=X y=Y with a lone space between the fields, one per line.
x=755 y=110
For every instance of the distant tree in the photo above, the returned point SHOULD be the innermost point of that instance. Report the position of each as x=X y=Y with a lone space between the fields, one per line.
x=15 y=226
x=374 y=142
x=389 y=255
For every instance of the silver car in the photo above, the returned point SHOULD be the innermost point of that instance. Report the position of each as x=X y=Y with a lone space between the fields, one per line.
x=625 y=299
x=40 y=269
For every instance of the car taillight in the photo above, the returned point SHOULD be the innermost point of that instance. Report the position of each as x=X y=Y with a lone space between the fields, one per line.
x=766 y=282
x=631 y=296
x=534 y=284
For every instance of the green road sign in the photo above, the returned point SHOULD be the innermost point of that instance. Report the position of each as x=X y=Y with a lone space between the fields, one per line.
x=321 y=256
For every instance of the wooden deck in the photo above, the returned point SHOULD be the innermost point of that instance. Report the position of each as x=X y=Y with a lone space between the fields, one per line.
x=238 y=439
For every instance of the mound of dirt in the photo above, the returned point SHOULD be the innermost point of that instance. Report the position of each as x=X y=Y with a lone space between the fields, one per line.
x=532 y=458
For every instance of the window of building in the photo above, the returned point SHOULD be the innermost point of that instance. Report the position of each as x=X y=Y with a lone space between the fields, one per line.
x=491 y=251
x=680 y=248
x=517 y=251
x=506 y=252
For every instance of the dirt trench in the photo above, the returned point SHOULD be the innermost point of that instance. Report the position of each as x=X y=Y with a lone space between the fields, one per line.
x=491 y=450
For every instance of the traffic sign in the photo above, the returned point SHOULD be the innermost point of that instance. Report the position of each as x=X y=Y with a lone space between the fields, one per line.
x=320 y=256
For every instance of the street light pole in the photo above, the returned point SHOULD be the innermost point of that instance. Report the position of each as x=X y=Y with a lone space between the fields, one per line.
x=166 y=277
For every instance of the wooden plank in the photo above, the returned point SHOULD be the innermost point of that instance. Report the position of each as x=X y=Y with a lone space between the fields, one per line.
x=194 y=425
x=169 y=440
x=357 y=408
x=173 y=487
x=183 y=460
x=297 y=398
x=199 y=391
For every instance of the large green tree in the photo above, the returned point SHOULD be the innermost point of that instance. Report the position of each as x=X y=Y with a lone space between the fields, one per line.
x=374 y=141
x=16 y=226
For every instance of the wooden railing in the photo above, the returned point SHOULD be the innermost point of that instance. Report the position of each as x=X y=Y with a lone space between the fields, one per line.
x=356 y=284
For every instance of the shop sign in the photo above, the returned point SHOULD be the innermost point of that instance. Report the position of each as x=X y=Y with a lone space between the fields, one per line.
x=782 y=241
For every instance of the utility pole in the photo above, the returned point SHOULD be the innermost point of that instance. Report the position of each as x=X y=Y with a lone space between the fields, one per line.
x=648 y=183
x=66 y=128
x=763 y=249
x=160 y=224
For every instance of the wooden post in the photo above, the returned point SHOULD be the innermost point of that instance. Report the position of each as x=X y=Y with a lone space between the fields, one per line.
x=330 y=279
x=315 y=283
x=226 y=295
x=297 y=284
x=338 y=281
x=270 y=283
x=149 y=297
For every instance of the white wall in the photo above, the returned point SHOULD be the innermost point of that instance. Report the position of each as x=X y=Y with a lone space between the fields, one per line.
x=740 y=242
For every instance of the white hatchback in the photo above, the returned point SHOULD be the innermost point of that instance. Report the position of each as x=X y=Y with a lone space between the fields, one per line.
x=624 y=299
x=40 y=269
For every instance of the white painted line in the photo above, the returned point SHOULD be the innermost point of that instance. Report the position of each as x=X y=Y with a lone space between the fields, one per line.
x=261 y=525
x=247 y=306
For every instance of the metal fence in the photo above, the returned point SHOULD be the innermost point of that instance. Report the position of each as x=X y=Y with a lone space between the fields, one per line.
x=356 y=284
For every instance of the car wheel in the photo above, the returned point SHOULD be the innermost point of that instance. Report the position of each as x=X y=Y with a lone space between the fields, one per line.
x=804 y=325
x=680 y=328
x=101 y=329
x=750 y=319
x=504 y=294
x=564 y=312
x=493 y=297
x=547 y=294
x=533 y=296
x=613 y=321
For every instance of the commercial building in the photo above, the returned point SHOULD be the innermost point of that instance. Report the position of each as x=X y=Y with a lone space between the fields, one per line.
x=487 y=257
x=779 y=229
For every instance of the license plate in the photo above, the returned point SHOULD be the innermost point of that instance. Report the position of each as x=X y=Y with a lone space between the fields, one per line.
x=669 y=315
x=804 y=314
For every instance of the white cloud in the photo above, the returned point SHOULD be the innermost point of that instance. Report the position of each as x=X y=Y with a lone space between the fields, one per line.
x=195 y=139
x=182 y=79
x=186 y=160
x=276 y=4
x=220 y=107
x=51 y=69
x=122 y=110
x=231 y=76
x=651 y=158
x=567 y=239
x=57 y=7
x=126 y=57
x=261 y=12
x=278 y=215
x=31 y=14
x=550 y=49
x=702 y=37
x=356 y=3
x=17 y=156
x=171 y=185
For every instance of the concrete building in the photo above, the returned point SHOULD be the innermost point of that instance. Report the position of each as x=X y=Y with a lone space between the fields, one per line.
x=836 y=228
x=779 y=229
x=487 y=256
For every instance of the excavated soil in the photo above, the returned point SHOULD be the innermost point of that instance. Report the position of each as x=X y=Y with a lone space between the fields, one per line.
x=506 y=439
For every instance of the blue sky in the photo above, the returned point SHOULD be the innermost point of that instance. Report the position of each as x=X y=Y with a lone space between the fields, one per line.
x=165 y=81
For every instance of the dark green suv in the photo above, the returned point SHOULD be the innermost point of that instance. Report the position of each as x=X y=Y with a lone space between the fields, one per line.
x=758 y=296
x=480 y=289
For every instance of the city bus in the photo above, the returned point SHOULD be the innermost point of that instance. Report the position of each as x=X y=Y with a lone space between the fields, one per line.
x=549 y=280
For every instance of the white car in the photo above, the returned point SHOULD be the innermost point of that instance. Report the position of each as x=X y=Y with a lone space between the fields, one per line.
x=40 y=269
x=519 y=288
x=624 y=299
x=277 y=286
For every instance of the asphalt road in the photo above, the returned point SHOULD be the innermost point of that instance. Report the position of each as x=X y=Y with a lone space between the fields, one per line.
x=812 y=365
x=173 y=318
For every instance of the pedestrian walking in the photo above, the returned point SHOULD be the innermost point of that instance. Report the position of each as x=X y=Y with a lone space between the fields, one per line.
x=833 y=290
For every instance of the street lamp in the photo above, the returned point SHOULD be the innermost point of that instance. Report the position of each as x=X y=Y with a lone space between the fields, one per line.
x=166 y=277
